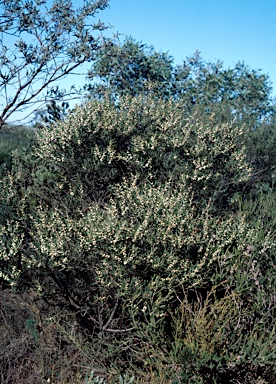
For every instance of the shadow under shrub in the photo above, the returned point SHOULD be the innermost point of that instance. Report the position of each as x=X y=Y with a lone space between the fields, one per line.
x=33 y=348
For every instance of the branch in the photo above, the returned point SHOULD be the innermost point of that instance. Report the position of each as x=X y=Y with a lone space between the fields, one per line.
x=111 y=316
x=120 y=330
x=12 y=106
x=49 y=46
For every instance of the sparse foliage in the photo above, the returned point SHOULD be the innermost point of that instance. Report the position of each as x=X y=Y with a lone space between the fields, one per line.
x=40 y=44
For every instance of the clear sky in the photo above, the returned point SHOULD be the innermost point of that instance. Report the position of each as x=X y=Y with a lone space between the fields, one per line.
x=225 y=30
x=228 y=30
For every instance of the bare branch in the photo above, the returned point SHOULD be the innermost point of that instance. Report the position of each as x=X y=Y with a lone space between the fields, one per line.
x=48 y=43
x=120 y=330
x=111 y=316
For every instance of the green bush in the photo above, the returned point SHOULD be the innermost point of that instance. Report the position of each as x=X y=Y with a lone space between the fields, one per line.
x=104 y=158
x=222 y=341
x=77 y=163
x=123 y=211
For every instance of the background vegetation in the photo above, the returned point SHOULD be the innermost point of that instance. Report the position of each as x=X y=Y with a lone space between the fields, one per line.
x=11 y=138
x=137 y=231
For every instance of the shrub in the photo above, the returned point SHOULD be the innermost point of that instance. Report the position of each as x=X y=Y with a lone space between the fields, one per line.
x=105 y=157
x=122 y=209
x=77 y=162
x=261 y=149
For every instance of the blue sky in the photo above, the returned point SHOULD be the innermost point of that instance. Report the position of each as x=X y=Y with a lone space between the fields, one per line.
x=228 y=30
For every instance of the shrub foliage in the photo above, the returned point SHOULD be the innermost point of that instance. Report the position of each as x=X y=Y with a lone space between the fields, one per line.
x=127 y=213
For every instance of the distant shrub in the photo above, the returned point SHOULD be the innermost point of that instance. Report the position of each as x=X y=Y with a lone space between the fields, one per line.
x=12 y=138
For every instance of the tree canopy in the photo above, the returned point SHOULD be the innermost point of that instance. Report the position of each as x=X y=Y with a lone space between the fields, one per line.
x=133 y=68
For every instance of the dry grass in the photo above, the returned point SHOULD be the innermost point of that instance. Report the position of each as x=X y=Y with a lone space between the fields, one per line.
x=33 y=350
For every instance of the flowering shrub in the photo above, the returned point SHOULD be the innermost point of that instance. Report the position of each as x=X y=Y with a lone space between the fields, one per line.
x=123 y=208
x=76 y=162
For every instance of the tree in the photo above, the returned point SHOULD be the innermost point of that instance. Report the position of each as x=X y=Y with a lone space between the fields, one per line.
x=40 y=45
x=133 y=68
x=246 y=92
